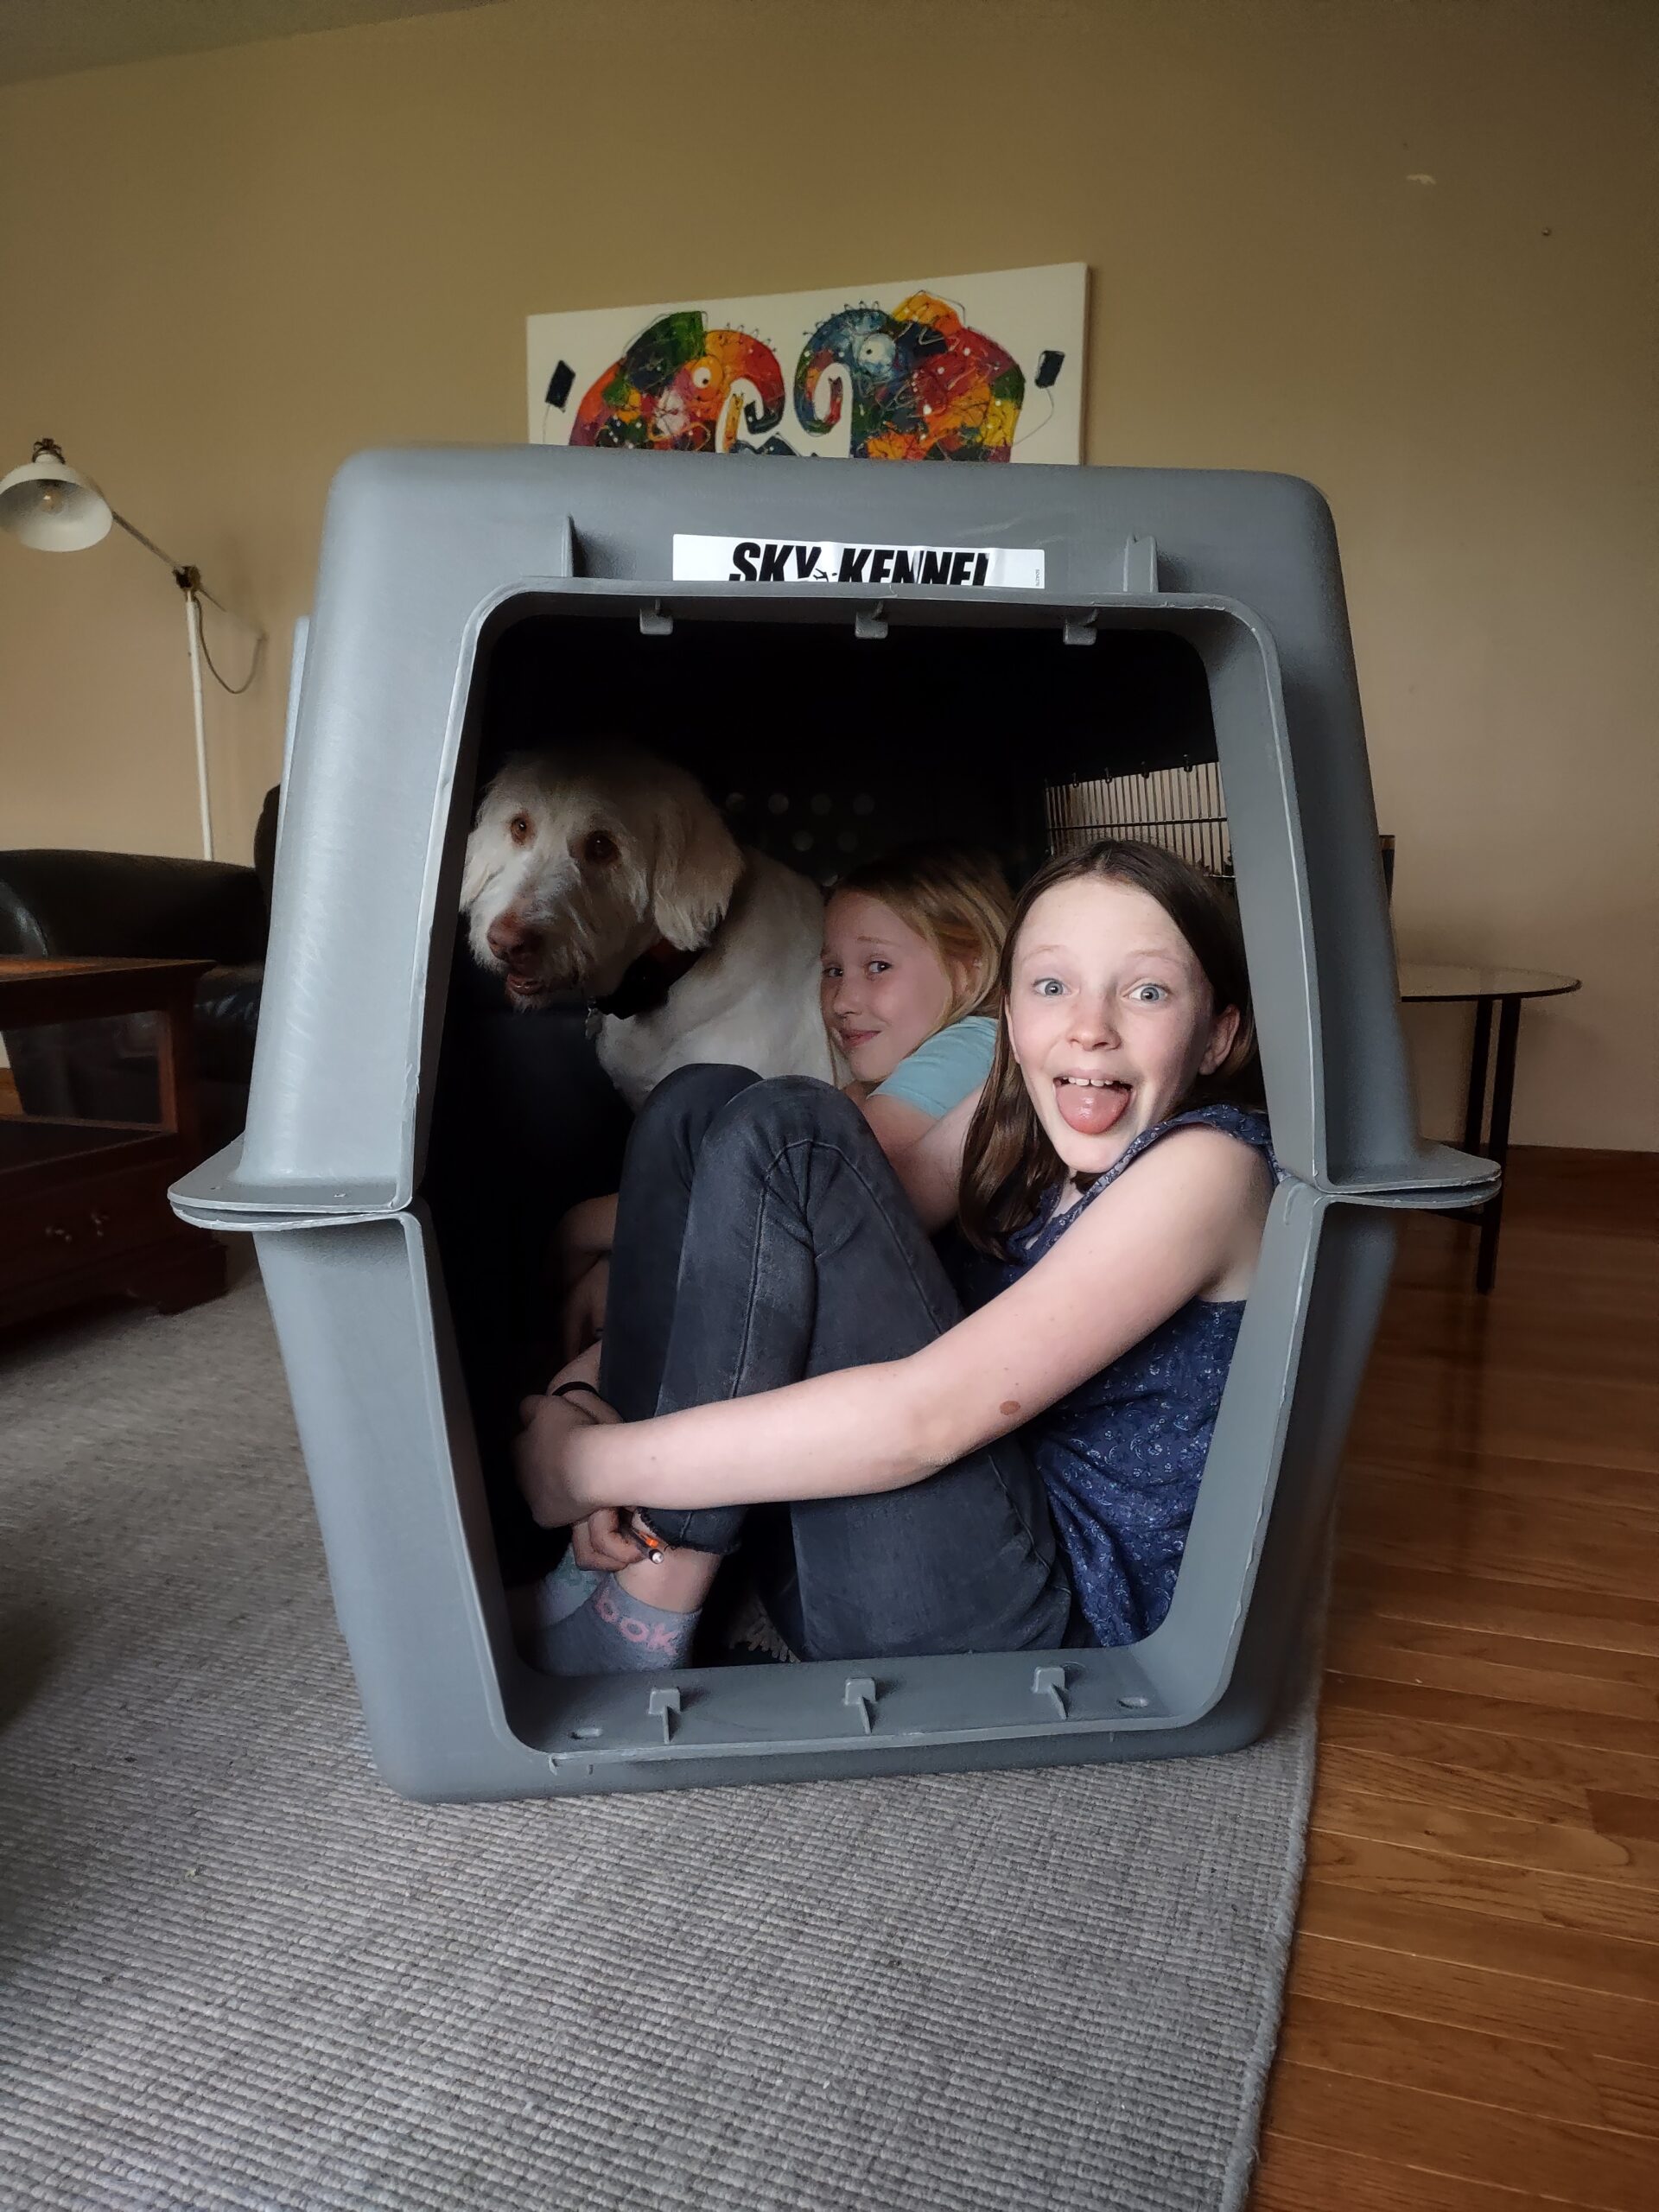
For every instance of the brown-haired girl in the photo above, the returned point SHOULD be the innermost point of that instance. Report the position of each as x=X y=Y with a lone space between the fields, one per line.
x=1019 y=1476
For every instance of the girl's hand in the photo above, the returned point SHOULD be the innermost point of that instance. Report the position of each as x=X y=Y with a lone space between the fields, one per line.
x=540 y=1461
x=603 y=1541
x=542 y=1457
x=583 y=1322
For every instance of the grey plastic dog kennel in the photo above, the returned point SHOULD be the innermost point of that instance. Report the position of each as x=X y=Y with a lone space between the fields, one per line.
x=892 y=650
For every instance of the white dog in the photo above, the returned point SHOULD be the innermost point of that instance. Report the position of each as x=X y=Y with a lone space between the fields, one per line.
x=609 y=871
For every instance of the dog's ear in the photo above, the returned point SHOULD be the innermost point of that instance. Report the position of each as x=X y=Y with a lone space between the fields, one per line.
x=482 y=865
x=484 y=854
x=487 y=848
x=698 y=863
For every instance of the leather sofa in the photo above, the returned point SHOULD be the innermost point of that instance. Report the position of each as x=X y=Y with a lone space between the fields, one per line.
x=70 y=905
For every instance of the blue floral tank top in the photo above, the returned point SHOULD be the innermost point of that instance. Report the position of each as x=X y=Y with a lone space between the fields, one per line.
x=1121 y=1455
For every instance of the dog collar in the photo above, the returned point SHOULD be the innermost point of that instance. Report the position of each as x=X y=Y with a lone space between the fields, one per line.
x=647 y=982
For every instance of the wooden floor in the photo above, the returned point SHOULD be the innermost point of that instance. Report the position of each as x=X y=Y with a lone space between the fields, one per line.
x=1474 y=2014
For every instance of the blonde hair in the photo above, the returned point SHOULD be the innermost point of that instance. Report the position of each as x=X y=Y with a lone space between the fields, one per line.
x=957 y=901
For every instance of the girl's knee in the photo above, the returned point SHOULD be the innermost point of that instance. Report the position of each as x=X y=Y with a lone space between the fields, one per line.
x=792 y=1105
x=689 y=1098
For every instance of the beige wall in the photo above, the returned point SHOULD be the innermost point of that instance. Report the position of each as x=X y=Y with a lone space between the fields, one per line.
x=223 y=273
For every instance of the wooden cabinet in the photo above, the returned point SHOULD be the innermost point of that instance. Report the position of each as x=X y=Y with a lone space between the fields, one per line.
x=83 y=1205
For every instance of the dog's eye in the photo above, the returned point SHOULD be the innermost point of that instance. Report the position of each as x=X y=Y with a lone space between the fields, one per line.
x=599 y=847
x=518 y=828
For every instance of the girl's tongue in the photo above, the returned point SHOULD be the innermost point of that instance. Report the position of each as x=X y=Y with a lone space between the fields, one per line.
x=1091 y=1108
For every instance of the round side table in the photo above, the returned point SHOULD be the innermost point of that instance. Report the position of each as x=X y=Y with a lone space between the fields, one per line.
x=1423 y=983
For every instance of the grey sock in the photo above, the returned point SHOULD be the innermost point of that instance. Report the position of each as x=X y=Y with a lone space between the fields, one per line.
x=613 y=1633
x=535 y=1606
x=565 y=1591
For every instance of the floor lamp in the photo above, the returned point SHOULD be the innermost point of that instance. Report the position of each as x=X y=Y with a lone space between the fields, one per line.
x=53 y=508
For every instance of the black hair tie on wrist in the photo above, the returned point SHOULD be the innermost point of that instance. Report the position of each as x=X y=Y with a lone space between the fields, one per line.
x=563 y=1390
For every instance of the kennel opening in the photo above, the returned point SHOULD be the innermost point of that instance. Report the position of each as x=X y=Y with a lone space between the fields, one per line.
x=806 y=738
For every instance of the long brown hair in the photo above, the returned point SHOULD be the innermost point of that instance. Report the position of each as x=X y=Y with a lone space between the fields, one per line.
x=956 y=900
x=1008 y=1164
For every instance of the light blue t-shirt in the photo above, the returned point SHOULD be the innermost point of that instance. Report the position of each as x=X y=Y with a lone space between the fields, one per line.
x=939 y=1074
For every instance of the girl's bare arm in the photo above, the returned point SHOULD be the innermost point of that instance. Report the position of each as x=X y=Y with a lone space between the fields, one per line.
x=928 y=1163
x=1183 y=1222
x=894 y=1122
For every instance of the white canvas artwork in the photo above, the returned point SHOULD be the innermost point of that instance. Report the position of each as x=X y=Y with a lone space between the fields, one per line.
x=985 y=368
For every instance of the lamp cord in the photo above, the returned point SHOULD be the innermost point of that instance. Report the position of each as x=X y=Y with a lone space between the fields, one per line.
x=235 y=690
x=188 y=581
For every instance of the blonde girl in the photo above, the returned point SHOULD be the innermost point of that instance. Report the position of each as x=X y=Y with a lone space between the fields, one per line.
x=912 y=945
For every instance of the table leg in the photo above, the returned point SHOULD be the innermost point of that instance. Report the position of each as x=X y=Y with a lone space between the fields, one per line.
x=180 y=1102
x=1474 y=1111
x=1498 y=1148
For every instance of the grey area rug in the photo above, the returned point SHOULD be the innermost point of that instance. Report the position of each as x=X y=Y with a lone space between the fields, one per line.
x=238 y=1972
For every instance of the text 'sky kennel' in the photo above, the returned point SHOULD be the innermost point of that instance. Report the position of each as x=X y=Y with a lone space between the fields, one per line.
x=469 y=603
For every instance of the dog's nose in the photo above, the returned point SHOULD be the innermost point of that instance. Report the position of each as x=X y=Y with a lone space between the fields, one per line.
x=509 y=938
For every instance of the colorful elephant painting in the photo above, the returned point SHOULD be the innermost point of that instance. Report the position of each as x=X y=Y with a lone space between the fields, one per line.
x=922 y=385
x=669 y=390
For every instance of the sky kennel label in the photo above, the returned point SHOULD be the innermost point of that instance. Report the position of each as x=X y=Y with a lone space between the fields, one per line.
x=800 y=561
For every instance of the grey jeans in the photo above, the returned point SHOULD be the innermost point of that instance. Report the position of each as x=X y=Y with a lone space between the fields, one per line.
x=761 y=1237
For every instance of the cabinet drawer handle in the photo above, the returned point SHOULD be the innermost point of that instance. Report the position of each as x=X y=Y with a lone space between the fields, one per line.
x=62 y=1236
x=100 y=1222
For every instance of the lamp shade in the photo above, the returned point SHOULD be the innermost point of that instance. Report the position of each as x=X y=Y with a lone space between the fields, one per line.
x=51 y=506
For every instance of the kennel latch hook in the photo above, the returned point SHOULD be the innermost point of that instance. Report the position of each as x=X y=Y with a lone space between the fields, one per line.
x=859 y=1697
x=663 y=1705
x=1050 y=1682
x=1140 y=566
